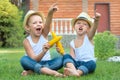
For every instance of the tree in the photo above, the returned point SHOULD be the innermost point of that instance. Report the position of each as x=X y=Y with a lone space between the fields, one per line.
x=11 y=32
x=18 y=3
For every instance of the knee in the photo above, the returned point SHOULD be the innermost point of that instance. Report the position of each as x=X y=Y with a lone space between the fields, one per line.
x=24 y=60
x=91 y=66
x=66 y=56
x=67 y=59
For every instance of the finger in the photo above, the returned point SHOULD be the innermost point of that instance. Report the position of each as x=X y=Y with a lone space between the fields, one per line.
x=55 y=8
x=98 y=15
x=48 y=44
x=95 y=12
x=54 y=4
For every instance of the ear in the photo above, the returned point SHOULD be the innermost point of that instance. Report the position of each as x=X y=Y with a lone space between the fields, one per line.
x=27 y=28
x=73 y=28
x=88 y=29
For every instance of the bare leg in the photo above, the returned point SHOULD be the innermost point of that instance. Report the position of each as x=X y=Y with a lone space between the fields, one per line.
x=25 y=73
x=51 y=72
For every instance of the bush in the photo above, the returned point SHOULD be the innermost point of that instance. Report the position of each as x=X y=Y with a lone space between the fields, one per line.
x=11 y=32
x=105 y=45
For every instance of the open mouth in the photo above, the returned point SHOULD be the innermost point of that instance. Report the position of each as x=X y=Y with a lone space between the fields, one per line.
x=80 y=28
x=38 y=29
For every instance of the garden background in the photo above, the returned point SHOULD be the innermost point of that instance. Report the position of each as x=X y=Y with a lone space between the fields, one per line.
x=11 y=50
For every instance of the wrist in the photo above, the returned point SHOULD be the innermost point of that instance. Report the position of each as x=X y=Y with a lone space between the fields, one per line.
x=43 y=51
x=96 y=19
x=51 y=11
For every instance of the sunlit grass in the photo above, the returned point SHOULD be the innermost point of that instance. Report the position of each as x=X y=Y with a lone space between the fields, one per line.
x=10 y=69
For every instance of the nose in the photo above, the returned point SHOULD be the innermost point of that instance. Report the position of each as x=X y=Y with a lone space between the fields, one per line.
x=80 y=25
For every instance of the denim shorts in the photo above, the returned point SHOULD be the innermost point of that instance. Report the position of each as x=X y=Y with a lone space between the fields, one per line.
x=30 y=64
x=86 y=67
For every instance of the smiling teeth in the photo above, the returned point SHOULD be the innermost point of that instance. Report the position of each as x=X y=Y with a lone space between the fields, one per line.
x=80 y=28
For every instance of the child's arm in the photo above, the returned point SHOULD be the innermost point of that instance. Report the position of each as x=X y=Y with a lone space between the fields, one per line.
x=94 y=27
x=72 y=53
x=30 y=52
x=47 y=27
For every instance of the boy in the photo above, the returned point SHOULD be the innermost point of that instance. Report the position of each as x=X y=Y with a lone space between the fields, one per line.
x=81 y=60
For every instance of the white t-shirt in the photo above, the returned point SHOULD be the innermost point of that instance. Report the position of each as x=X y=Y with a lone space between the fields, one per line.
x=37 y=47
x=85 y=52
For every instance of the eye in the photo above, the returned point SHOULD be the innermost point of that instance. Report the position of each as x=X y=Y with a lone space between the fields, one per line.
x=40 y=22
x=34 y=22
x=78 y=22
x=85 y=24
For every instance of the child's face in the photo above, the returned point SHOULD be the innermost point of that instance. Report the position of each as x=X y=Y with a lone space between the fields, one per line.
x=81 y=27
x=35 y=25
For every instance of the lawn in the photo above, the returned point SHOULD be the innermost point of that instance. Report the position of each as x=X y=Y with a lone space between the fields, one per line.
x=10 y=68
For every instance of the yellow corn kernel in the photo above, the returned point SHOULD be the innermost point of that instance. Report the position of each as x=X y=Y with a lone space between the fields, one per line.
x=54 y=40
x=53 y=34
x=58 y=44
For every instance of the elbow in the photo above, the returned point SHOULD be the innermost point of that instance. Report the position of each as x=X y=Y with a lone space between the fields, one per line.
x=35 y=58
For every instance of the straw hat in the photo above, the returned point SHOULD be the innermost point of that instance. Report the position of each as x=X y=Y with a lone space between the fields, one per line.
x=29 y=13
x=83 y=16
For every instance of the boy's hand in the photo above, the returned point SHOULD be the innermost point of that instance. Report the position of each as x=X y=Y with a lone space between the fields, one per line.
x=53 y=7
x=58 y=49
x=97 y=15
x=46 y=47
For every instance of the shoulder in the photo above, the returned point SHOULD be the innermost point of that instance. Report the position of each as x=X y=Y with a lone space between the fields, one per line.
x=87 y=38
x=25 y=41
x=72 y=43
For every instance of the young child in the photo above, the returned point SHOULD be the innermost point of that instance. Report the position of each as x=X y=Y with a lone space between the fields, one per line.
x=37 y=58
x=81 y=60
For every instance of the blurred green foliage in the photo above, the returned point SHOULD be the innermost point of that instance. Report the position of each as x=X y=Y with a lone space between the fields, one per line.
x=11 y=30
x=105 y=45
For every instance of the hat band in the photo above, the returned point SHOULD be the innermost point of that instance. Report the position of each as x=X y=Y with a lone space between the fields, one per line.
x=85 y=19
x=82 y=18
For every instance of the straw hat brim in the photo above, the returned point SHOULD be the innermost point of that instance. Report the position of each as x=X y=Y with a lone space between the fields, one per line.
x=27 y=16
x=81 y=18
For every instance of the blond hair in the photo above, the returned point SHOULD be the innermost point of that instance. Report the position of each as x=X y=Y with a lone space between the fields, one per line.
x=28 y=15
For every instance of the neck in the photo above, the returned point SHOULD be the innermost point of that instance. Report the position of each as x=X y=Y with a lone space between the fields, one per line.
x=79 y=37
x=35 y=38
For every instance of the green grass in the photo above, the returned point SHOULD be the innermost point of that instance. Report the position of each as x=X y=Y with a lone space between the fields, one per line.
x=10 y=69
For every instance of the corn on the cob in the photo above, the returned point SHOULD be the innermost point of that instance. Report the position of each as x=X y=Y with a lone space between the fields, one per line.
x=53 y=34
x=54 y=40
x=58 y=44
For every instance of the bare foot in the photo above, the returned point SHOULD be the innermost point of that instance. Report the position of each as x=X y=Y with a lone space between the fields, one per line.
x=70 y=72
x=66 y=72
x=59 y=75
x=25 y=73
